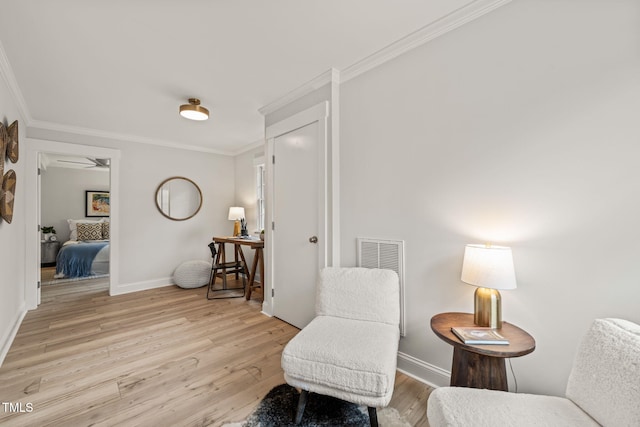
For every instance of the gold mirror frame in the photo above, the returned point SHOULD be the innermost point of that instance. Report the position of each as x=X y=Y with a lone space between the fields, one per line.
x=158 y=197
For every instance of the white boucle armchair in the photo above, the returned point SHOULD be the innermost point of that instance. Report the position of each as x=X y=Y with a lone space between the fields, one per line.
x=603 y=389
x=349 y=350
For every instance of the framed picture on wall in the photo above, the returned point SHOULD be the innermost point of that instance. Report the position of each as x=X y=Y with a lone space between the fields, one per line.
x=97 y=203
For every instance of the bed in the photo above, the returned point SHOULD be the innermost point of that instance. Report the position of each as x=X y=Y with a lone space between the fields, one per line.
x=86 y=254
x=82 y=259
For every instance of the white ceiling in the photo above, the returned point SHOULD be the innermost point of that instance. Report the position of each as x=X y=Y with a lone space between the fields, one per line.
x=122 y=67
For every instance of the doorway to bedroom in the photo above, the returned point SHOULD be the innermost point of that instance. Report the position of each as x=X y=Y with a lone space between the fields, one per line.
x=32 y=183
x=74 y=218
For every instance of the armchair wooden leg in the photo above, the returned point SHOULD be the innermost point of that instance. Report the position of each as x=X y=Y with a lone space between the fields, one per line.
x=373 y=416
x=302 y=402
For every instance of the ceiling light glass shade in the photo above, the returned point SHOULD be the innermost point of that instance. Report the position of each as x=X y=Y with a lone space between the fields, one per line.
x=488 y=267
x=193 y=110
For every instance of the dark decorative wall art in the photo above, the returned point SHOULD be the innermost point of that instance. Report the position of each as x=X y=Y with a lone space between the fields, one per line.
x=3 y=147
x=8 y=148
x=12 y=142
x=7 y=195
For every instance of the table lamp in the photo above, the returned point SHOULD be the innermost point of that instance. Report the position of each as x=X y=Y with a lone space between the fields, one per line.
x=236 y=213
x=489 y=268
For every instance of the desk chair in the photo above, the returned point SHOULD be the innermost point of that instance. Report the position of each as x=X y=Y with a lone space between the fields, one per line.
x=226 y=268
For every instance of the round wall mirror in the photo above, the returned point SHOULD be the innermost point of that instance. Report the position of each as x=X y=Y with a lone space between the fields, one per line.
x=178 y=198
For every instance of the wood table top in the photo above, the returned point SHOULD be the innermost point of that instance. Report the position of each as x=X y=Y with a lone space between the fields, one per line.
x=520 y=342
x=253 y=242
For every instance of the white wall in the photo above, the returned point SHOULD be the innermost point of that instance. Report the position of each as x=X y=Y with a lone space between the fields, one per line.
x=12 y=248
x=63 y=195
x=152 y=246
x=519 y=128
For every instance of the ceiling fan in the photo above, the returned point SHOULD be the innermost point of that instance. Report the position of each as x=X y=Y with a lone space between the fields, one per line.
x=95 y=162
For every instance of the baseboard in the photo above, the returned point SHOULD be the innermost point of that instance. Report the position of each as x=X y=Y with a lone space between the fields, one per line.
x=8 y=338
x=422 y=371
x=265 y=312
x=141 y=286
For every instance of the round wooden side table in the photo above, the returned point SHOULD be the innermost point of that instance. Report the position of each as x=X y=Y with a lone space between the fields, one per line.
x=480 y=366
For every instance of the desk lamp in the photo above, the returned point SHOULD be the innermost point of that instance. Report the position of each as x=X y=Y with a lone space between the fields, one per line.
x=236 y=213
x=489 y=268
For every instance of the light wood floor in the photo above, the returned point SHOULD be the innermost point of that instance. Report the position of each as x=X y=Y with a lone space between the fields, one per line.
x=164 y=357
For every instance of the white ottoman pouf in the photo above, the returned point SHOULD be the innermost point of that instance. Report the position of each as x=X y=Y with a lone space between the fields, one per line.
x=192 y=274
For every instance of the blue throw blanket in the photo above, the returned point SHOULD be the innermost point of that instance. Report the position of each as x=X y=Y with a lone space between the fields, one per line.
x=76 y=260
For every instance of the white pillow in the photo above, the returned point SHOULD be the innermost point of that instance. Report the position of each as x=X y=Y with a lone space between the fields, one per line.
x=73 y=226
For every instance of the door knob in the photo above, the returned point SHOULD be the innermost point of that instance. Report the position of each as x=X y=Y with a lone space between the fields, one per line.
x=313 y=239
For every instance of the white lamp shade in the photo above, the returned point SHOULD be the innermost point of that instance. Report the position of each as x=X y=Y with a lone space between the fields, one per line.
x=236 y=213
x=488 y=267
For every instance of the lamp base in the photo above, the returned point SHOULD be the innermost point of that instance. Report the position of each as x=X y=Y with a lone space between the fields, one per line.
x=487 y=308
x=236 y=228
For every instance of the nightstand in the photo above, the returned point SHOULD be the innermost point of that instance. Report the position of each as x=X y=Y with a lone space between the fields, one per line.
x=48 y=253
x=480 y=366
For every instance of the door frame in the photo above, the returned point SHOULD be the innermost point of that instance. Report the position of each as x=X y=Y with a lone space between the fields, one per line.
x=328 y=242
x=32 y=202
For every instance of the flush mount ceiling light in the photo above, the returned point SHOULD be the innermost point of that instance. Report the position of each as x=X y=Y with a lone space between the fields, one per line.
x=193 y=110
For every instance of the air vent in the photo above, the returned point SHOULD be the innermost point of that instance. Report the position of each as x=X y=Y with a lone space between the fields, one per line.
x=389 y=254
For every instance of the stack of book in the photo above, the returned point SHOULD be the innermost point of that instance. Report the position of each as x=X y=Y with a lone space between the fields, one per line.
x=479 y=335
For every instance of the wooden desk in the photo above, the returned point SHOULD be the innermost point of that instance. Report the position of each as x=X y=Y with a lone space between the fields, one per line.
x=258 y=259
x=480 y=366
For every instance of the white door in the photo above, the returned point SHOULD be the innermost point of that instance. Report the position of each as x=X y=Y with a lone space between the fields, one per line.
x=296 y=236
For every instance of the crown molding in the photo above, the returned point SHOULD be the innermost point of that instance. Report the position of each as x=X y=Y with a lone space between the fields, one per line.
x=332 y=75
x=427 y=33
x=56 y=127
x=12 y=84
x=431 y=31
x=16 y=94
x=258 y=143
